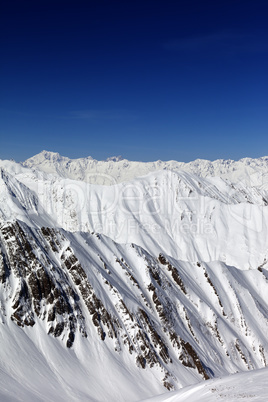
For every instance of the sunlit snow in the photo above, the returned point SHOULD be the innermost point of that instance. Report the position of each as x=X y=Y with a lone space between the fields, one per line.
x=175 y=254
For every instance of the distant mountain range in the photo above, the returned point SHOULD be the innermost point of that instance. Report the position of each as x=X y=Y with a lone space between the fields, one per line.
x=122 y=280
x=108 y=172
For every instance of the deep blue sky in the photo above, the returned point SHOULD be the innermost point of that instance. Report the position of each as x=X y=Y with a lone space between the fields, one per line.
x=143 y=79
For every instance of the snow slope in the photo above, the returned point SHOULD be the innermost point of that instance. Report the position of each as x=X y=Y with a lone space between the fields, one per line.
x=188 y=217
x=251 y=386
x=104 y=289
x=87 y=310
x=116 y=170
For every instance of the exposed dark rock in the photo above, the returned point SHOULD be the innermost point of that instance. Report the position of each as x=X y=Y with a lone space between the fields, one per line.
x=189 y=358
x=151 y=320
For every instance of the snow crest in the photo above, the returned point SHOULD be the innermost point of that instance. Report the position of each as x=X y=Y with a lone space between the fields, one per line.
x=116 y=274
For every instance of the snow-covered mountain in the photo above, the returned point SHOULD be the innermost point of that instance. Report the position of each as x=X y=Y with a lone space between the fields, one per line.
x=116 y=170
x=159 y=280
x=187 y=217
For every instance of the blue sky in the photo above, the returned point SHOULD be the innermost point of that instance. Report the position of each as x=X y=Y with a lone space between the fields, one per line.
x=144 y=79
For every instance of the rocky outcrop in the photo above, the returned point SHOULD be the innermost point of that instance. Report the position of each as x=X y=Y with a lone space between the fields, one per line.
x=163 y=313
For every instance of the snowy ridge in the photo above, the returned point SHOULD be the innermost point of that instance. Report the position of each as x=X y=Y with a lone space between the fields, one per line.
x=160 y=280
x=178 y=322
x=192 y=212
x=116 y=169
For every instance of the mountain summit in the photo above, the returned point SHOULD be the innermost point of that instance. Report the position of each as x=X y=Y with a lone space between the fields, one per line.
x=107 y=172
x=159 y=280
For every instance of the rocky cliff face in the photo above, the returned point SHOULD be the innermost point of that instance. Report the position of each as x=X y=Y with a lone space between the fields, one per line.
x=172 y=316
x=132 y=310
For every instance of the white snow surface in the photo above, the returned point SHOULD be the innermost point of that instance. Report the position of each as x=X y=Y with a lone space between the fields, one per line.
x=246 y=387
x=180 y=213
x=209 y=219
x=115 y=169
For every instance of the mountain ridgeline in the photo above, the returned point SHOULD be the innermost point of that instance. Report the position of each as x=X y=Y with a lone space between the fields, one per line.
x=160 y=280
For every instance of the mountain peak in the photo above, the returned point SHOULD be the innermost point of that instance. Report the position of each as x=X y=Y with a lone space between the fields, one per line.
x=109 y=171
x=161 y=280
x=48 y=155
